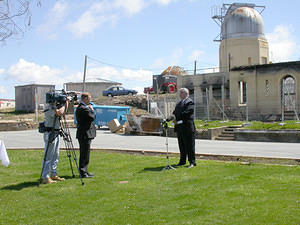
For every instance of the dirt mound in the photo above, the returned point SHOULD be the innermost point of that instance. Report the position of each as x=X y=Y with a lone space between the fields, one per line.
x=138 y=103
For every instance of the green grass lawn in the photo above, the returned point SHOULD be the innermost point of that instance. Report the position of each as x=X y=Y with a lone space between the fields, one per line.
x=201 y=124
x=211 y=193
x=254 y=125
x=288 y=125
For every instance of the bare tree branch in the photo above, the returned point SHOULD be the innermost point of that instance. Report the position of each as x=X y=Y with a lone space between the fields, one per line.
x=15 y=18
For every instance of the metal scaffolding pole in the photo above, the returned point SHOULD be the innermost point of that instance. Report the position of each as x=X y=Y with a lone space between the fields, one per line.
x=247 y=107
x=207 y=103
x=223 y=101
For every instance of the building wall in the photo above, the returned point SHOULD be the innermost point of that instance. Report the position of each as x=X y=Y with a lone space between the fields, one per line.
x=264 y=89
x=95 y=89
x=25 y=96
x=241 y=50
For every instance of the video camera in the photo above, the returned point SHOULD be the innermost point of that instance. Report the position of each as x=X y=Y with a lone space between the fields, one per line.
x=59 y=97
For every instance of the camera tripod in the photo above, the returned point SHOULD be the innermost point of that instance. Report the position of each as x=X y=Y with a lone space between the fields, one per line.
x=168 y=167
x=64 y=132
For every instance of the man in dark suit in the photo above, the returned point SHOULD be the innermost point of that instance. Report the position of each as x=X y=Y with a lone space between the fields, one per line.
x=185 y=128
x=86 y=131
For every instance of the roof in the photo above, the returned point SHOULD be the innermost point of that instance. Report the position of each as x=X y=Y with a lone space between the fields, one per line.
x=7 y=100
x=40 y=85
x=291 y=64
x=242 y=22
x=95 y=80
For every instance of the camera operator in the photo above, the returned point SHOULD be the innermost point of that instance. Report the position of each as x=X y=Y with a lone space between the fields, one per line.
x=86 y=131
x=185 y=128
x=53 y=112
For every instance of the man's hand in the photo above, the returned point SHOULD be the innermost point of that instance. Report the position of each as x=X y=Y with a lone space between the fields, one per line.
x=91 y=107
x=170 y=118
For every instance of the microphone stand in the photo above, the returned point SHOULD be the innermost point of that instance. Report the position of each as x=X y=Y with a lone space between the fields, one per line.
x=168 y=167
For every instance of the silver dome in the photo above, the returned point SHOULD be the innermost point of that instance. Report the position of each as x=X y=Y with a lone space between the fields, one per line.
x=242 y=22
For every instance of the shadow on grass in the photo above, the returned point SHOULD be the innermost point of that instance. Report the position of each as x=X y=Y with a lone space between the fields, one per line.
x=154 y=169
x=29 y=184
x=20 y=186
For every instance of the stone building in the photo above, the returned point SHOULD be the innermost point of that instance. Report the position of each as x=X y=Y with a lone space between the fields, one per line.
x=31 y=96
x=94 y=86
x=247 y=80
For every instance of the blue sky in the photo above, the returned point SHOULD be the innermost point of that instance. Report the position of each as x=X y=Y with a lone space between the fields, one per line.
x=144 y=36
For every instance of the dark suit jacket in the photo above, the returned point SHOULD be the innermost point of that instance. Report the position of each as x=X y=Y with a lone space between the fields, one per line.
x=85 y=122
x=185 y=112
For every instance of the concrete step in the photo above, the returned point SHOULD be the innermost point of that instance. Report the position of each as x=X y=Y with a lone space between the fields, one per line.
x=225 y=138
x=226 y=135
x=235 y=126
x=228 y=132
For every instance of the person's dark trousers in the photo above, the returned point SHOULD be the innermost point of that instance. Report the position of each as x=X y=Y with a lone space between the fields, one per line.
x=84 y=159
x=186 y=142
x=182 y=146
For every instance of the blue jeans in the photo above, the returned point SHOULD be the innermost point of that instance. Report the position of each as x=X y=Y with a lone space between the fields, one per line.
x=51 y=159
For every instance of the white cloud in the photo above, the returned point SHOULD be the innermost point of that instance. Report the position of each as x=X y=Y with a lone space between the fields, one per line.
x=55 y=17
x=111 y=73
x=172 y=60
x=93 y=18
x=24 y=72
x=282 y=44
x=195 y=55
x=139 y=89
x=107 y=11
x=1 y=71
x=164 y=2
x=130 y=6
x=29 y=72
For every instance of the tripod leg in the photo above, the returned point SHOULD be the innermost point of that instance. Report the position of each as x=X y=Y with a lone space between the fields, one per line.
x=70 y=147
x=76 y=163
x=71 y=166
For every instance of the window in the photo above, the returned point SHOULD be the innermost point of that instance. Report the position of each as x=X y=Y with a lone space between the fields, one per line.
x=267 y=87
x=264 y=60
x=114 y=89
x=121 y=88
x=289 y=90
x=249 y=61
x=242 y=92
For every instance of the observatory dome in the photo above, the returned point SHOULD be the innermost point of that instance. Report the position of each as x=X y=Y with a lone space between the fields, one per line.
x=242 y=22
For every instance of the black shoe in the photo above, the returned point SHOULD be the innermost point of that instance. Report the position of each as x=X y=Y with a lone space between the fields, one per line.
x=86 y=175
x=180 y=164
x=90 y=174
x=191 y=165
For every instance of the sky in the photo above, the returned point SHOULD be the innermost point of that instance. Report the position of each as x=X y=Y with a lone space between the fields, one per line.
x=129 y=40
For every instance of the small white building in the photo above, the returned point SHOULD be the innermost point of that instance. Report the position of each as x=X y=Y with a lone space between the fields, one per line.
x=7 y=103
x=30 y=96
x=94 y=86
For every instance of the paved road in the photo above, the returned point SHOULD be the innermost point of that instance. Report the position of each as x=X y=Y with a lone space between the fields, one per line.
x=107 y=140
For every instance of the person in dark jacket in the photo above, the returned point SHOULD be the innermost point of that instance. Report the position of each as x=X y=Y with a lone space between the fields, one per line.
x=86 y=131
x=185 y=128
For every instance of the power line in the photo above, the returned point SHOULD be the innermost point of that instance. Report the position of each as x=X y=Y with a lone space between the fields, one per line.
x=117 y=66
x=152 y=70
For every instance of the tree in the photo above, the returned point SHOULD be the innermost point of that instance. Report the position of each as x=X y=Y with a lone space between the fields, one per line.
x=15 y=17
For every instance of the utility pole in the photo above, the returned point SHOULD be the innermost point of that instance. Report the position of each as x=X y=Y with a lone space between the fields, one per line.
x=195 y=94
x=84 y=73
x=36 y=104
